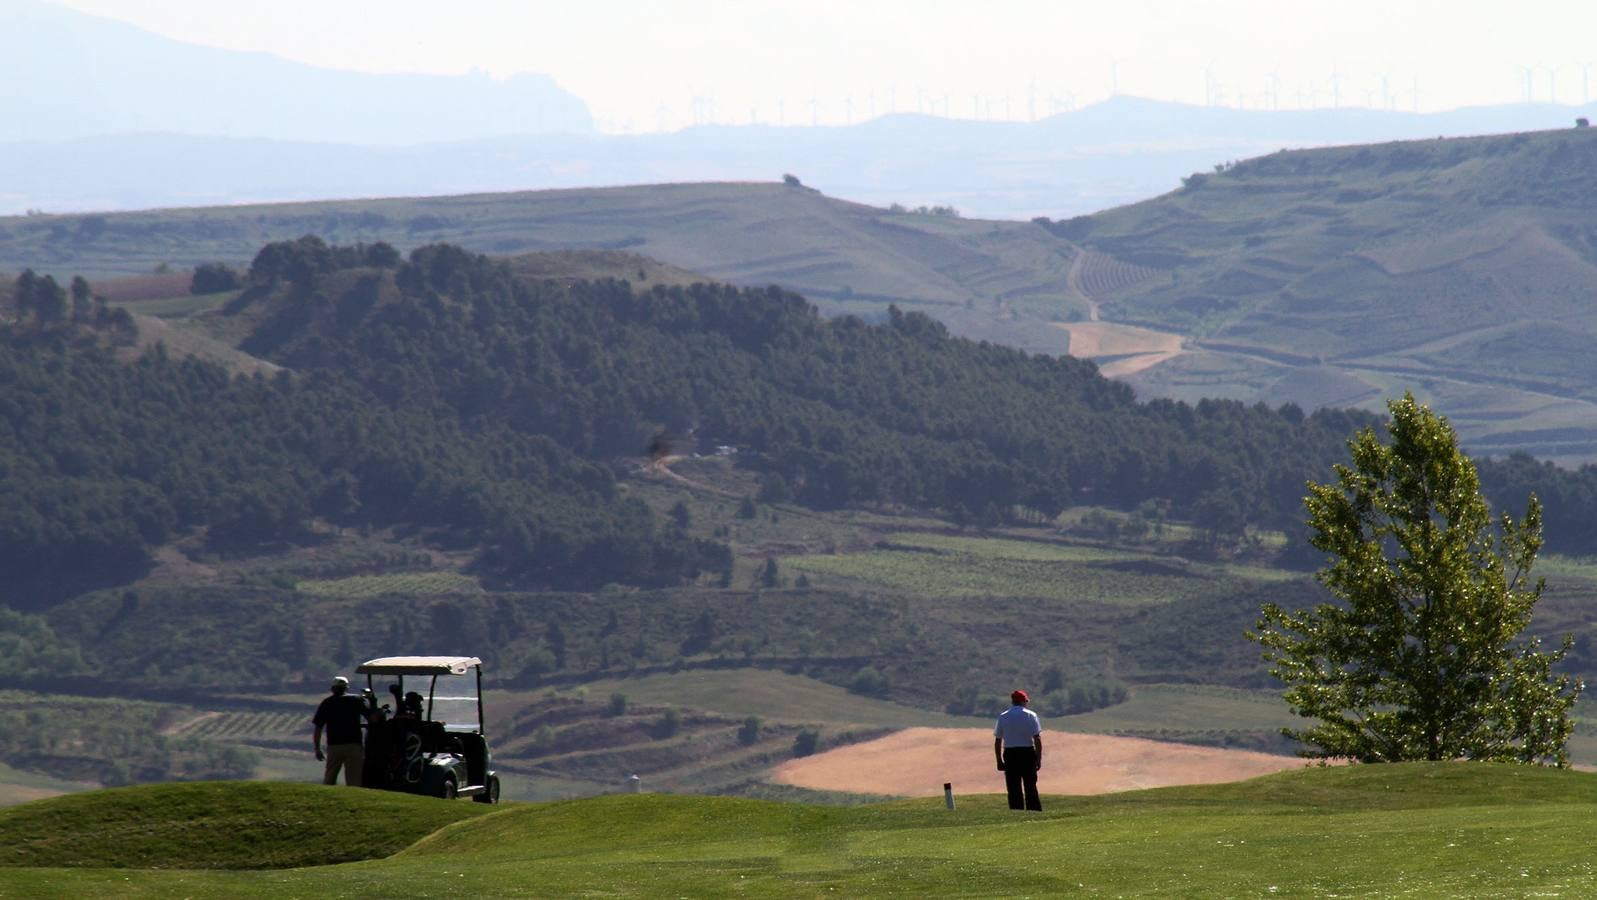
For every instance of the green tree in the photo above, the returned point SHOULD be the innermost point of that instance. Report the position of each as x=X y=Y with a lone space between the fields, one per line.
x=82 y=299
x=770 y=575
x=214 y=278
x=1422 y=656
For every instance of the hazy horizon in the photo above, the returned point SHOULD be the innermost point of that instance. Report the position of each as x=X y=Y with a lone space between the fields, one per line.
x=652 y=67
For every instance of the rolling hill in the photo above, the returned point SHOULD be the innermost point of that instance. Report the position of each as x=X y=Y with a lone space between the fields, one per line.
x=1463 y=269
x=1458 y=268
x=995 y=280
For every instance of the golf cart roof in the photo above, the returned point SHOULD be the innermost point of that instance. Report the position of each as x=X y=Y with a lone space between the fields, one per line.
x=418 y=665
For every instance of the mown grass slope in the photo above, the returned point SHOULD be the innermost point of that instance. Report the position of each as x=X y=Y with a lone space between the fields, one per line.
x=1446 y=829
x=219 y=825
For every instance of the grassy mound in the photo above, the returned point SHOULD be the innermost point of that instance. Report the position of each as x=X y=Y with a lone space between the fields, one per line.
x=220 y=825
x=1449 y=829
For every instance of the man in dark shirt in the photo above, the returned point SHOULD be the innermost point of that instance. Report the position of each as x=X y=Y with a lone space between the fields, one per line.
x=341 y=715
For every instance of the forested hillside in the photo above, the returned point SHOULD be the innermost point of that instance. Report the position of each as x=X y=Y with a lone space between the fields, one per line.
x=446 y=393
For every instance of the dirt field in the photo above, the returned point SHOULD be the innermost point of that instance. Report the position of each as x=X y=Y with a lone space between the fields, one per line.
x=916 y=762
x=1139 y=348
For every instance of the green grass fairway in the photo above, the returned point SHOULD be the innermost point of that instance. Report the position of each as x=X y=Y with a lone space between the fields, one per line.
x=1429 y=830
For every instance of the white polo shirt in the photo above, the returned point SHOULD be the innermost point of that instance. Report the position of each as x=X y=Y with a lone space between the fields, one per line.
x=1017 y=726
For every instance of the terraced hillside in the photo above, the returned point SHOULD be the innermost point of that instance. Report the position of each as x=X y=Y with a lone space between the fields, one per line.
x=985 y=279
x=1463 y=269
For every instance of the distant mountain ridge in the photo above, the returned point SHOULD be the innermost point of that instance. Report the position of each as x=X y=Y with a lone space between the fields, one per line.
x=70 y=75
x=102 y=115
x=1120 y=151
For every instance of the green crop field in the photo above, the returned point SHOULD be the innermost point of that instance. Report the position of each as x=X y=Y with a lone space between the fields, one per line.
x=775 y=696
x=177 y=307
x=21 y=786
x=241 y=726
x=1026 y=551
x=416 y=584
x=949 y=567
x=1185 y=707
x=1429 y=830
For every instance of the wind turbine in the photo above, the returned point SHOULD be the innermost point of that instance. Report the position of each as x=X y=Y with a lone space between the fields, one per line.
x=1208 y=83
x=1416 y=92
x=948 y=111
x=1386 y=93
x=1114 y=77
x=1273 y=78
x=873 y=104
x=1528 y=86
x=1031 y=99
x=1336 y=88
x=848 y=109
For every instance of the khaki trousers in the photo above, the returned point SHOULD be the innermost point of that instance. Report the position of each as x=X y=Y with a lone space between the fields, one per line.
x=349 y=757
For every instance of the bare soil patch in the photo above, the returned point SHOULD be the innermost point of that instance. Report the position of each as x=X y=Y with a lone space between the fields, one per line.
x=916 y=762
x=1136 y=348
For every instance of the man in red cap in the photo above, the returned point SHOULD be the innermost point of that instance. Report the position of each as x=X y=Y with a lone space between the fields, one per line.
x=1017 y=742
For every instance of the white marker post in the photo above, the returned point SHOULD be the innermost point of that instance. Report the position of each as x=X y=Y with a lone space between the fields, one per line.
x=948 y=794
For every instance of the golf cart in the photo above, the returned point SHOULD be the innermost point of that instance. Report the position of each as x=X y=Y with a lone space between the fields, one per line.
x=434 y=744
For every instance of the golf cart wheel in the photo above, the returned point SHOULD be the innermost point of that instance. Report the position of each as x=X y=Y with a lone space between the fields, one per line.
x=447 y=791
x=490 y=792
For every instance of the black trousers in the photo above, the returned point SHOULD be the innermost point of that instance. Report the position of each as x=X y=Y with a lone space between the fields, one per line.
x=1020 y=776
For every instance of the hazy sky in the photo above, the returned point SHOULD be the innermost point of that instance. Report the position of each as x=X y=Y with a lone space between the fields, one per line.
x=640 y=64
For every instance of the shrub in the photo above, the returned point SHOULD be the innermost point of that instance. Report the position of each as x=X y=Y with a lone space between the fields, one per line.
x=750 y=732
x=869 y=681
x=806 y=742
x=214 y=278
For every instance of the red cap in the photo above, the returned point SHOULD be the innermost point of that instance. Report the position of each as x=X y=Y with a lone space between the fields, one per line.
x=1019 y=697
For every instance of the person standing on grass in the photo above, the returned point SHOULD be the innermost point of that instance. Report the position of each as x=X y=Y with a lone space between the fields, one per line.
x=341 y=715
x=1017 y=742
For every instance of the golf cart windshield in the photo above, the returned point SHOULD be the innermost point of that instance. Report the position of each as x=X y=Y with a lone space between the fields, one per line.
x=449 y=687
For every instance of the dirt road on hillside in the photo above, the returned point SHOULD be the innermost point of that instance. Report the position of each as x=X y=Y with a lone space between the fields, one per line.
x=915 y=762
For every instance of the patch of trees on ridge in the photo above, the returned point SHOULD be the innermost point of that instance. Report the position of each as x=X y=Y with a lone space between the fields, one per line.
x=444 y=392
